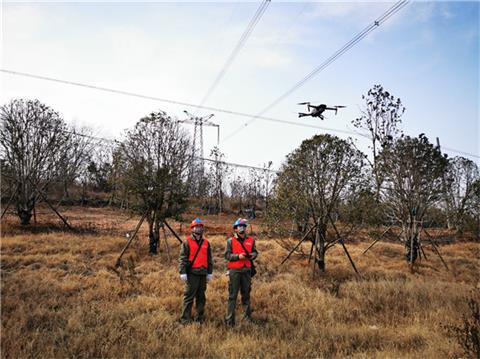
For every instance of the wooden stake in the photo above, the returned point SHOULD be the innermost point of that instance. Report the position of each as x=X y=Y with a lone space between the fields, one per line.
x=173 y=232
x=117 y=264
x=298 y=245
x=315 y=251
x=343 y=245
x=10 y=200
x=311 y=252
x=166 y=243
x=44 y=197
x=423 y=252
x=435 y=248
x=376 y=240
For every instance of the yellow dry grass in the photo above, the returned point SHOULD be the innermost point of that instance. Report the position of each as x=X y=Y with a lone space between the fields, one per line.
x=60 y=299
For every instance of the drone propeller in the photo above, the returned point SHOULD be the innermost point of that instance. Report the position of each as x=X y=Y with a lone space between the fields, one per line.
x=340 y=106
x=303 y=103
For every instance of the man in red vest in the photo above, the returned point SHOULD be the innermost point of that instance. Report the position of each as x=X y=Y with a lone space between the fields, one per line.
x=240 y=253
x=195 y=267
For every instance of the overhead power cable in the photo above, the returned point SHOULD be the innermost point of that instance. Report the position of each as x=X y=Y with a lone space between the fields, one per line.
x=197 y=158
x=174 y=102
x=209 y=108
x=118 y=142
x=460 y=152
x=375 y=24
x=241 y=166
x=241 y=42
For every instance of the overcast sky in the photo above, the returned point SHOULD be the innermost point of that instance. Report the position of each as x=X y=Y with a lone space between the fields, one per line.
x=427 y=54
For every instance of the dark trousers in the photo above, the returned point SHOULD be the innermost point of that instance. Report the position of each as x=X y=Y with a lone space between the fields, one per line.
x=238 y=281
x=194 y=289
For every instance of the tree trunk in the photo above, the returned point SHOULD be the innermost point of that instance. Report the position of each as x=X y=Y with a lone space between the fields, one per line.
x=321 y=235
x=449 y=224
x=84 y=194
x=24 y=215
x=459 y=223
x=25 y=209
x=66 y=194
x=478 y=227
x=411 y=242
x=154 y=239
x=154 y=235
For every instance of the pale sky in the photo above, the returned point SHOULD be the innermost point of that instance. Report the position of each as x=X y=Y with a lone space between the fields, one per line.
x=427 y=54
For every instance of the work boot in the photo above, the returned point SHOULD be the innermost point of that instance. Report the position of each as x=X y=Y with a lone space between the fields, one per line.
x=230 y=323
x=200 y=320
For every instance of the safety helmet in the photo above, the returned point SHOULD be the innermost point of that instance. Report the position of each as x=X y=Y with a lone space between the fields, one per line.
x=240 y=222
x=196 y=222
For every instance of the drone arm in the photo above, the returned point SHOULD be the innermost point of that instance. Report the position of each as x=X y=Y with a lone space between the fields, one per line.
x=301 y=114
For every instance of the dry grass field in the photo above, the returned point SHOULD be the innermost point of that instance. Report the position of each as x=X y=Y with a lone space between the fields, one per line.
x=61 y=298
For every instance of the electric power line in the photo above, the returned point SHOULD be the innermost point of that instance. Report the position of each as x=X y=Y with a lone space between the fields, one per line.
x=384 y=17
x=117 y=142
x=460 y=152
x=209 y=108
x=174 y=102
x=114 y=141
x=242 y=166
x=241 y=42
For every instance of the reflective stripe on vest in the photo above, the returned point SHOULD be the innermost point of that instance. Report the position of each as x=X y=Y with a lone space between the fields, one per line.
x=237 y=249
x=202 y=257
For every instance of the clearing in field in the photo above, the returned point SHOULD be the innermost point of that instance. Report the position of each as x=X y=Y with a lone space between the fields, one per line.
x=61 y=297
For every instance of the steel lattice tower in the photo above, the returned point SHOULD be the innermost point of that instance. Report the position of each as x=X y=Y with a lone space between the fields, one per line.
x=197 y=163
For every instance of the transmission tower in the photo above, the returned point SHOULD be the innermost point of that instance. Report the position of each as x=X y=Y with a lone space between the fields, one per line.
x=197 y=163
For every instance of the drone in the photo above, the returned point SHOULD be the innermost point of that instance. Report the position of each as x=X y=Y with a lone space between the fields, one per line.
x=317 y=111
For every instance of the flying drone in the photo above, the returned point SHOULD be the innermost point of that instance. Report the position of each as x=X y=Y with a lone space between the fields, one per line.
x=317 y=111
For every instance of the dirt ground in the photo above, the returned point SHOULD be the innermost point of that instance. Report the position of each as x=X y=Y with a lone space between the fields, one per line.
x=61 y=296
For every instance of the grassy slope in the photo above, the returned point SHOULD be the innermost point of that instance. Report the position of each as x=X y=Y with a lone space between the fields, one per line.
x=60 y=298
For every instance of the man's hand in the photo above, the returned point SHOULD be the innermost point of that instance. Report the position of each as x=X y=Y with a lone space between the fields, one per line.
x=241 y=256
x=209 y=277
x=183 y=277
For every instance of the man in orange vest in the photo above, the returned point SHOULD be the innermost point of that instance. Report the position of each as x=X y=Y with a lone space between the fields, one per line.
x=240 y=253
x=196 y=268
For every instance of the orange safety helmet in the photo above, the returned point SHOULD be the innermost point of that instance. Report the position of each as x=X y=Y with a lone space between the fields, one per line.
x=196 y=222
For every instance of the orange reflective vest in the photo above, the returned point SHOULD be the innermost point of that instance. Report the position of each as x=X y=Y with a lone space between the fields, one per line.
x=202 y=257
x=238 y=249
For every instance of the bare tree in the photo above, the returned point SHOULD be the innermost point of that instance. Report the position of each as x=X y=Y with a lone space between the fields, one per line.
x=460 y=178
x=37 y=149
x=79 y=151
x=120 y=193
x=380 y=117
x=155 y=154
x=253 y=190
x=238 y=190
x=414 y=171
x=313 y=180
x=475 y=207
